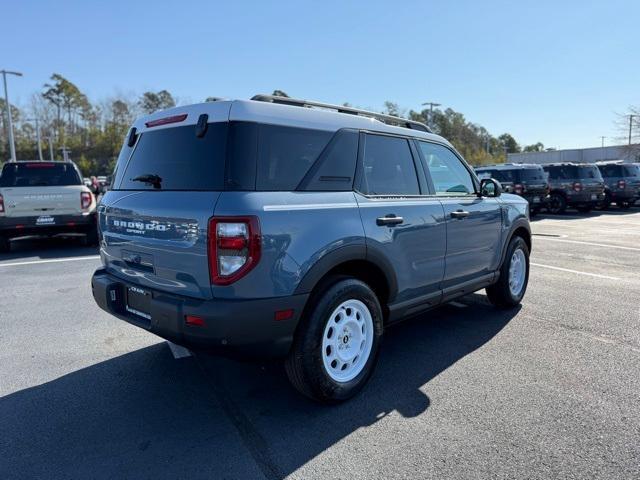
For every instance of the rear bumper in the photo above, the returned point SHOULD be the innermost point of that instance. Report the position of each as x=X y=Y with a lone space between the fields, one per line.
x=535 y=199
x=625 y=195
x=241 y=328
x=24 y=226
x=585 y=198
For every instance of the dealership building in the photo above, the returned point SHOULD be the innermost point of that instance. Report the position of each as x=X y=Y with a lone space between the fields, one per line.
x=628 y=153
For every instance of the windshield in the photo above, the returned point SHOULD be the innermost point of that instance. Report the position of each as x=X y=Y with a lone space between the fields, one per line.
x=39 y=174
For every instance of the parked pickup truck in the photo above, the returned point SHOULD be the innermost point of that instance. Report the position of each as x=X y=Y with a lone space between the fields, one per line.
x=44 y=198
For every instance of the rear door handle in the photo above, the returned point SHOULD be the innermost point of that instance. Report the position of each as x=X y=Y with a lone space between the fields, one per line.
x=459 y=214
x=390 y=219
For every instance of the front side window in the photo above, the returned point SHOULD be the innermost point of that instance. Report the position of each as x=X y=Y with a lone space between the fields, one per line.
x=388 y=167
x=450 y=176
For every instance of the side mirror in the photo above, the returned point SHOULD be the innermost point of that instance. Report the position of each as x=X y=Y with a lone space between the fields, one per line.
x=490 y=187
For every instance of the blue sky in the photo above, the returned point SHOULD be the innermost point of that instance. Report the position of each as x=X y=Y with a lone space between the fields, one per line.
x=556 y=72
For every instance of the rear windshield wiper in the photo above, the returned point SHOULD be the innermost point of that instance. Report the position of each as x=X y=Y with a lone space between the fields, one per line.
x=149 y=179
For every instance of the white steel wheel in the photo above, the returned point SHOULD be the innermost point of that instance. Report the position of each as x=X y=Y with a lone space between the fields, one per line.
x=517 y=272
x=347 y=340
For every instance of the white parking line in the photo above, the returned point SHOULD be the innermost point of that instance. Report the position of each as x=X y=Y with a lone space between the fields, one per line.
x=52 y=260
x=597 y=275
x=619 y=247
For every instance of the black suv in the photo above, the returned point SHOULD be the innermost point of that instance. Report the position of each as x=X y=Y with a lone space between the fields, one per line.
x=527 y=180
x=622 y=184
x=578 y=185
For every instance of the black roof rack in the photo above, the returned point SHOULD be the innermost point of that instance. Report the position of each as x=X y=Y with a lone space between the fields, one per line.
x=388 y=119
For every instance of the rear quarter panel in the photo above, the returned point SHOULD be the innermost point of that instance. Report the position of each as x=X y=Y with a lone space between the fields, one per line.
x=298 y=229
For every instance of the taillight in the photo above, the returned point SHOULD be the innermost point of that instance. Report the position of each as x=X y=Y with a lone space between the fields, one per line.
x=518 y=188
x=622 y=184
x=1 y=204
x=85 y=200
x=577 y=187
x=234 y=246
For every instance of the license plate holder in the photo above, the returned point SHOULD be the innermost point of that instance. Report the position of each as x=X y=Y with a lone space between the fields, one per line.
x=594 y=196
x=536 y=199
x=139 y=302
x=45 y=220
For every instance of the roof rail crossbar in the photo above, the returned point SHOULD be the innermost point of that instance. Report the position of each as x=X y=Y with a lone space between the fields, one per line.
x=388 y=119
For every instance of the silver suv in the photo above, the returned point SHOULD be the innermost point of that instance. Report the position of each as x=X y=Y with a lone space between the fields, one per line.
x=285 y=228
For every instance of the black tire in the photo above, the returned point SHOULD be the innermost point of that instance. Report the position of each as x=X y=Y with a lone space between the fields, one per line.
x=91 y=238
x=557 y=204
x=533 y=212
x=5 y=245
x=499 y=293
x=305 y=363
x=584 y=209
x=606 y=203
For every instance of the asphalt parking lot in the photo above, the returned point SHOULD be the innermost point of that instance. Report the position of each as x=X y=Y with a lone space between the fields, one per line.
x=551 y=390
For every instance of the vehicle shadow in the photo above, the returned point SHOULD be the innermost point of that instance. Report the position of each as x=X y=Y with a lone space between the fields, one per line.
x=48 y=248
x=146 y=415
x=576 y=215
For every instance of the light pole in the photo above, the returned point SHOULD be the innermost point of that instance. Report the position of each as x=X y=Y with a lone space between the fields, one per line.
x=431 y=105
x=37 y=136
x=12 y=145
x=602 y=137
x=630 y=125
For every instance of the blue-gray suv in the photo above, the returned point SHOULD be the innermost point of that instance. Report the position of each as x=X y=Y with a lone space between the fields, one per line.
x=286 y=228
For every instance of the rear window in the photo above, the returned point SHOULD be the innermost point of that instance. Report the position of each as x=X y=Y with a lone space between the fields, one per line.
x=589 y=172
x=176 y=159
x=39 y=174
x=532 y=174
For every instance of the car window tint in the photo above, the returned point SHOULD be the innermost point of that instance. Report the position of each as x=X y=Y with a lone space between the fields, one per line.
x=388 y=167
x=285 y=154
x=178 y=158
x=39 y=174
x=449 y=175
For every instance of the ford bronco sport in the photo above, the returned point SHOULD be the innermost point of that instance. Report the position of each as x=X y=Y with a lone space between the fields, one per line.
x=577 y=185
x=527 y=180
x=622 y=184
x=285 y=228
x=44 y=198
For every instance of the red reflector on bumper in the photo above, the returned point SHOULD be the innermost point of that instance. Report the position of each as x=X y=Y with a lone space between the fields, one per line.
x=194 y=321
x=283 y=314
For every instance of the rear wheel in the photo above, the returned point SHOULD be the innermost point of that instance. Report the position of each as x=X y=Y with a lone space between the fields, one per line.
x=5 y=245
x=514 y=276
x=557 y=204
x=336 y=345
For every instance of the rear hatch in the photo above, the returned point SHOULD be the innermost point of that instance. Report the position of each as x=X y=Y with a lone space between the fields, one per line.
x=534 y=181
x=154 y=220
x=40 y=188
x=591 y=179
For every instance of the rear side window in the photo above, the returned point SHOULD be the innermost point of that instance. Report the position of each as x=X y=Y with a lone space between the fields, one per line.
x=631 y=170
x=335 y=168
x=285 y=155
x=388 y=167
x=176 y=159
x=39 y=174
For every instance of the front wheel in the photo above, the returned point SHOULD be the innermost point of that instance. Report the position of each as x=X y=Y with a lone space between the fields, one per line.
x=336 y=345
x=514 y=276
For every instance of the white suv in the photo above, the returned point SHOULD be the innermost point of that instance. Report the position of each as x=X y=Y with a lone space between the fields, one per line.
x=44 y=198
